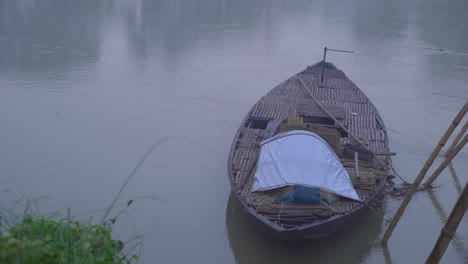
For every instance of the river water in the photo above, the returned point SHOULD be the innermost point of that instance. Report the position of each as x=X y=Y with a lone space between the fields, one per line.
x=86 y=87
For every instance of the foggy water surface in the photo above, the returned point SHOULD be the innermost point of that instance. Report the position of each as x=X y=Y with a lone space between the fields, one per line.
x=86 y=87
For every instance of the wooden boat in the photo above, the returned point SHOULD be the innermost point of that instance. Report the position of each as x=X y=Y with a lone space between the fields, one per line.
x=333 y=107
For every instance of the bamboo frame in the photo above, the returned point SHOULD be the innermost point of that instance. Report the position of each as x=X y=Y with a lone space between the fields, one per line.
x=446 y=162
x=423 y=172
x=457 y=138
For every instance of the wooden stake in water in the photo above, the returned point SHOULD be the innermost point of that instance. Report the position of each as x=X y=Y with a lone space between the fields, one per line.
x=446 y=162
x=423 y=172
x=448 y=231
x=457 y=138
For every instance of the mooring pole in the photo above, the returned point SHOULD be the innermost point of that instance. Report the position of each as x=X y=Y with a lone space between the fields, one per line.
x=422 y=173
x=457 y=138
x=450 y=227
x=322 y=78
x=446 y=162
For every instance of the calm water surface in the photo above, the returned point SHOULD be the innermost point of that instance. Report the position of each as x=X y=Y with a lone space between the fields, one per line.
x=87 y=86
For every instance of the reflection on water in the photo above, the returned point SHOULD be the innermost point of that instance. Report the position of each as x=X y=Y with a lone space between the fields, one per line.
x=250 y=245
x=456 y=180
x=87 y=86
x=456 y=240
x=49 y=35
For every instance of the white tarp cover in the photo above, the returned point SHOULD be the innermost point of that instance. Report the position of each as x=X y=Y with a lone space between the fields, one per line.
x=301 y=157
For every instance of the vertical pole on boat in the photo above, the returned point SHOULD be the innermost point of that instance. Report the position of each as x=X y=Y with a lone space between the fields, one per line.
x=423 y=172
x=457 y=138
x=356 y=164
x=446 y=162
x=322 y=77
x=450 y=227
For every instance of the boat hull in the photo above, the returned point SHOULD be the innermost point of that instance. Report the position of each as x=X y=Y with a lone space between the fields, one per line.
x=313 y=231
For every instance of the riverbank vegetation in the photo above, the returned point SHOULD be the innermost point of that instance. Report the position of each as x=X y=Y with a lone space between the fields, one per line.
x=30 y=238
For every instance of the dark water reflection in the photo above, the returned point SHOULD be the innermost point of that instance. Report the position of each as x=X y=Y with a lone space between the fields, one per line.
x=249 y=245
x=87 y=86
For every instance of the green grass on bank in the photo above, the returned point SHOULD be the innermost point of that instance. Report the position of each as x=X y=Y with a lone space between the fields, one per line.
x=29 y=237
x=41 y=240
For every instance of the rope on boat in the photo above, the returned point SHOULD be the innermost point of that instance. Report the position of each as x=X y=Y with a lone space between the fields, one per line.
x=409 y=137
x=377 y=213
x=396 y=173
x=329 y=207
x=279 y=215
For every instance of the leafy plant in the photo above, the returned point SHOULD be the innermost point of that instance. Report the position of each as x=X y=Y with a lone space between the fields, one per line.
x=41 y=240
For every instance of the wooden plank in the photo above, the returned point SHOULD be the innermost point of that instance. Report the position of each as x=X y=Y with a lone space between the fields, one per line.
x=385 y=153
x=356 y=164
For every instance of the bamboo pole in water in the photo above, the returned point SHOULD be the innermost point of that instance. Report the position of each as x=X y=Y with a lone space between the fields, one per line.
x=423 y=172
x=446 y=162
x=448 y=231
x=457 y=138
